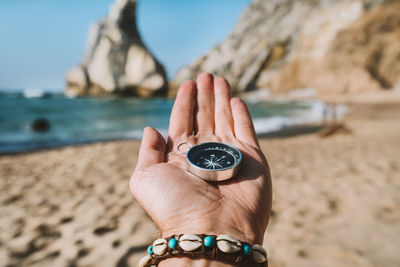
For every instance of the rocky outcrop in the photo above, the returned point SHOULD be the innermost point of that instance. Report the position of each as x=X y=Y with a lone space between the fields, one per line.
x=334 y=46
x=116 y=60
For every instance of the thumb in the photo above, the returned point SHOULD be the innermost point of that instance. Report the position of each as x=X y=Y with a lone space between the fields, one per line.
x=152 y=149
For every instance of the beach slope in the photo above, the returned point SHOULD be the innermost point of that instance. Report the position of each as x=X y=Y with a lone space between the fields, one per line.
x=336 y=200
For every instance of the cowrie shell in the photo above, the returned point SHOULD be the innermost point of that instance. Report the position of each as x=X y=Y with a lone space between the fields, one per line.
x=259 y=254
x=190 y=242
x=228 y=244
x=160 y=246
x=144 y=261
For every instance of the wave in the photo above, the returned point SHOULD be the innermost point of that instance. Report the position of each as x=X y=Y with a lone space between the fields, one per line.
x=88 y=120
x=314 y=114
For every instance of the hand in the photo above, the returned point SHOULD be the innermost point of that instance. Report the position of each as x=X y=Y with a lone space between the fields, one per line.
x=179 y=202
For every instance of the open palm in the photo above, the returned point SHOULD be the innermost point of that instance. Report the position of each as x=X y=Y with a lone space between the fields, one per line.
x=180 y=202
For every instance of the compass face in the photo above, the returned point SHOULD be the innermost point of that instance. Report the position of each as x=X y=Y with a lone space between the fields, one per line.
x=214 y=156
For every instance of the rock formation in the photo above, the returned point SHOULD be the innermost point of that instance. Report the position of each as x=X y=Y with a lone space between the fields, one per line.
x=334 y=46
x=116 y=60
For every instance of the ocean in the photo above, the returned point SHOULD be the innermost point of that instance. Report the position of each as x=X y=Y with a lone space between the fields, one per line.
x=87 y=120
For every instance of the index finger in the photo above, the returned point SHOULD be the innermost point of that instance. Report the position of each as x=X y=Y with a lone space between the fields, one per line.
x=242 y=123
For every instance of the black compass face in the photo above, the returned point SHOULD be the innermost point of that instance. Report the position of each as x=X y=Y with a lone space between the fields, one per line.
x=214 y=156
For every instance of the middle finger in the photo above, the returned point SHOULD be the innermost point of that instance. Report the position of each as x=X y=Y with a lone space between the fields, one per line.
x=205 y=104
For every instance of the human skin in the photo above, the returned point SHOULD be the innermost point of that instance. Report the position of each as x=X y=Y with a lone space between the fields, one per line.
x=179 y=202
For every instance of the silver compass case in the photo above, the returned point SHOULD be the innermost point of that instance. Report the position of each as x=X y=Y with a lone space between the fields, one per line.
x=213 y=161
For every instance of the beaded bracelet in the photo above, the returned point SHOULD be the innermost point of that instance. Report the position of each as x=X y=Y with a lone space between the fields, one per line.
x=223 y=248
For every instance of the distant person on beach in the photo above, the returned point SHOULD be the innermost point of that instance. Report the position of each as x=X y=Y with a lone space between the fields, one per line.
x=332 y=109
x=181 y=203
x=329 y=112
x=325 y=114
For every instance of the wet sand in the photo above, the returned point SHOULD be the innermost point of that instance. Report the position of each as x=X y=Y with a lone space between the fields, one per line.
x=336 y=200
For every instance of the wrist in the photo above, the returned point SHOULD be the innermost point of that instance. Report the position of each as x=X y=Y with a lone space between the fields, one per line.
x=246 y=232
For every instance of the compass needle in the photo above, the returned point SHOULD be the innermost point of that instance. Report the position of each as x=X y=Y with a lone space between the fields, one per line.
x=213 y=161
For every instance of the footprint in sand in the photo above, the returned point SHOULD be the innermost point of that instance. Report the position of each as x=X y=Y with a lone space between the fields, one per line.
x=46 y=235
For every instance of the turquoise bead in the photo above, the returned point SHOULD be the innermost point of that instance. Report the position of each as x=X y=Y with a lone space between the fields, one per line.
x=246 y=250
x=150 y=250
x=209 y=241
x=172 y=243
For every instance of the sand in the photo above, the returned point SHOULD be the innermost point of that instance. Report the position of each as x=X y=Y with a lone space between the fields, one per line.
x=336 y=200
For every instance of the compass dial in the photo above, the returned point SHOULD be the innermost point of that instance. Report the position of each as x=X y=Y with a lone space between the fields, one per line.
x=214 y=156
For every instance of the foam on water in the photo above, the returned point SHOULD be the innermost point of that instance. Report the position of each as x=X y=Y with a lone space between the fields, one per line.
x=265 y=125
x=314 y=114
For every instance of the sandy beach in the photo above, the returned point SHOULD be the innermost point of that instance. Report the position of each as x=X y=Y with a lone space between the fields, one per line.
x=336 y=200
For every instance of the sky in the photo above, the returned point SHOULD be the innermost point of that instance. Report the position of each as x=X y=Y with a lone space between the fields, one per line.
x=41 y=40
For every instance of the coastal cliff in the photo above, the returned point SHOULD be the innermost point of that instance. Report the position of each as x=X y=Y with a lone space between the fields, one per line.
x=116 y=61
x=332 y=46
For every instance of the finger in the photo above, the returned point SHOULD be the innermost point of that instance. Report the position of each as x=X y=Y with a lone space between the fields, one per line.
x=152 y=149
x=223 y=113
x=182 y=114
x=205 y=104
x=243 y=124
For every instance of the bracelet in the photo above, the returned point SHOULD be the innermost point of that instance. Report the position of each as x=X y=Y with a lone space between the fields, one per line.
x=223 y=248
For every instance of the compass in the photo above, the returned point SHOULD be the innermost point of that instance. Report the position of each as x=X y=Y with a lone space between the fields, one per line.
x=213 y=161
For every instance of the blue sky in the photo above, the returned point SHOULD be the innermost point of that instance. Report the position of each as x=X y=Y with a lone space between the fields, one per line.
x=40 y=40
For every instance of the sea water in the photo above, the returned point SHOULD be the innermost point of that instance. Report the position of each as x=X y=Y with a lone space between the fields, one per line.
x=85 y=120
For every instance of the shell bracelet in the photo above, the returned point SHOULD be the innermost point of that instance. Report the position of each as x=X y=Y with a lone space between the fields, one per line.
x=223 y=248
